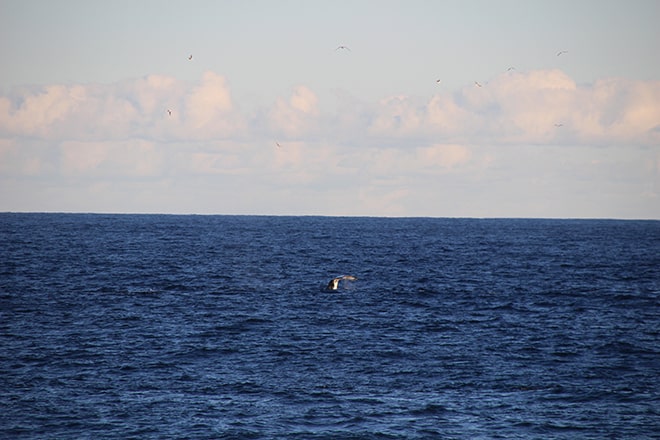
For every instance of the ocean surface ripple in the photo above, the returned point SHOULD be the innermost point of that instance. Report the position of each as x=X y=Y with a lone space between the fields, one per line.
x=211 y=327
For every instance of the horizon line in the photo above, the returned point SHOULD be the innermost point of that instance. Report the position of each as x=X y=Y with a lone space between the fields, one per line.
x=192 y=214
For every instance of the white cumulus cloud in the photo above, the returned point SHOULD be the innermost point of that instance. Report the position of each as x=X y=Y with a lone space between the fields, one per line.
x=390 y=156
x=296 y=116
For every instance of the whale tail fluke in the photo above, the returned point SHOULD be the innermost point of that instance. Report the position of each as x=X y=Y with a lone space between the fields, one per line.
x=334 y=283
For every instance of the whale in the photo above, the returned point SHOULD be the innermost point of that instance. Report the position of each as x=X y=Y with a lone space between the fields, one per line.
x=334 y=283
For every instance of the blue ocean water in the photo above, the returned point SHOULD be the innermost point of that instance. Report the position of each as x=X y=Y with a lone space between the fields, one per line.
x=210 y=327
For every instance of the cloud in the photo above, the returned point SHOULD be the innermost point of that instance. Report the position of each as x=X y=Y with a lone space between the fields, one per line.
x=132 y=158
x=296 y=116
x=385 y=157
x=210 y=110
x=137 y=108
x=153 y=94
x=397 y=116
x=443 y=156
x=536 y=107
x=619 y=110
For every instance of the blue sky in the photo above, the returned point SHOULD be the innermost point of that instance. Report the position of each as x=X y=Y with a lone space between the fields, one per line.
x=86 y=87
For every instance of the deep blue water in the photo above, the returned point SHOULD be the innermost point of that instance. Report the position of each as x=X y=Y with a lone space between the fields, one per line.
x=207 y=327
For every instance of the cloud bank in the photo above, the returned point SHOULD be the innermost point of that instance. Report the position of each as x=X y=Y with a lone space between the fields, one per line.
x=159 y=127
x=514 y=107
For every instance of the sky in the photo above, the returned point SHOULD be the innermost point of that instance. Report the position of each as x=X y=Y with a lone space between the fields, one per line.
x=435 y=108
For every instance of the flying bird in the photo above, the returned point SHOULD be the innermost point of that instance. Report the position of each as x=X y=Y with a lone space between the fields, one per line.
x=438 y=81
x=477 y=84
x=559 y=125
x=510 y=69
x=334 y=283
x=169 y=112
x=278 y=145
x=190 y=58
x=343 y=47
x=562 y=52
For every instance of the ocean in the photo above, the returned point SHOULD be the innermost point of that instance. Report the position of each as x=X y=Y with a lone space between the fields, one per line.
x=219 y=327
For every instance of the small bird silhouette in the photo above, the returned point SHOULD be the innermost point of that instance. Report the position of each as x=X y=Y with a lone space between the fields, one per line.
x=169 y=112
x=562 y=52
x=343 y=47
x=477 y=84
x=190 y=58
